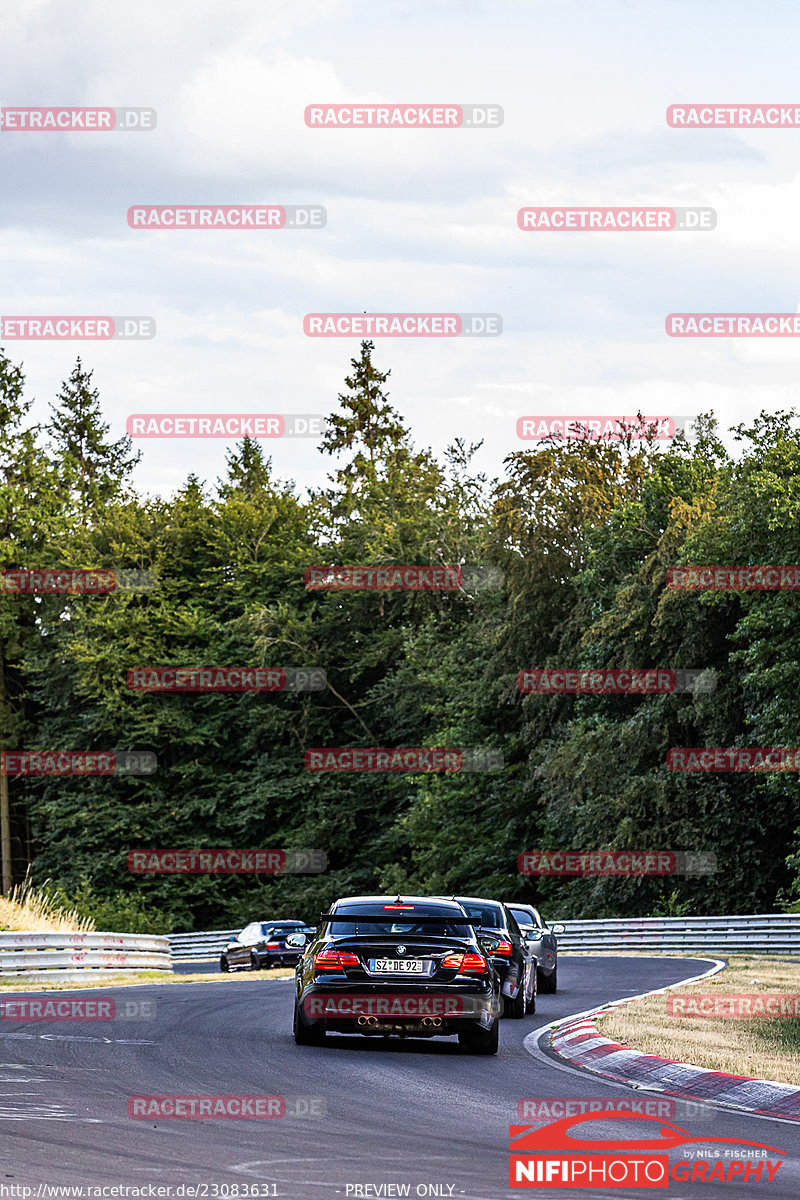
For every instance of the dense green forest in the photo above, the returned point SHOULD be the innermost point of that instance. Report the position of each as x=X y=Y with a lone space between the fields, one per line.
x=579 y=535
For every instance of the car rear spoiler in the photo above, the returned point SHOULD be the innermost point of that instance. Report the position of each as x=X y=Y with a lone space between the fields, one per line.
x=399 y=918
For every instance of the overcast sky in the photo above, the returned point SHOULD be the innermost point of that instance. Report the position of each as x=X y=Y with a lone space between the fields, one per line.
x=418 y=220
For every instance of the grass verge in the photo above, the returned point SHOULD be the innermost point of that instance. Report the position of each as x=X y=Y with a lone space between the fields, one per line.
x=763 y=1048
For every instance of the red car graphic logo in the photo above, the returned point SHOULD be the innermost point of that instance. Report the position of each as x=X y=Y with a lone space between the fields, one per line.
x=555 y=1136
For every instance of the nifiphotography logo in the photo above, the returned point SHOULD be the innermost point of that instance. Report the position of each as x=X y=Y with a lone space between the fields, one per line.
x=549 y=1156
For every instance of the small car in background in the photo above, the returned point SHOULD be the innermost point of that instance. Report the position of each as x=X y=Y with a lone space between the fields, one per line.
x=263 y=944
x=512 y=956
x=542 y=939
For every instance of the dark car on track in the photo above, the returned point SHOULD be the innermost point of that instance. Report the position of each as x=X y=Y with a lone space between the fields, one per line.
x=542 y=939
x=511 y=955
x=263 y=944
x=383 y=965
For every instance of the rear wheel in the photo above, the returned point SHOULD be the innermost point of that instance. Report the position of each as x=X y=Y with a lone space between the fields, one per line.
x=255 y=962
x=534 y=989
x=516 y=1007
x=306 y=1035
x=480 y=1041
x=224 y=965
x=549 y=983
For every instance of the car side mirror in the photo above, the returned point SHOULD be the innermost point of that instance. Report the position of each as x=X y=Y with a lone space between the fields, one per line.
x=487 y=945
x=558 y=929
x=533 y=935
x=297 y=940
x=234 y=938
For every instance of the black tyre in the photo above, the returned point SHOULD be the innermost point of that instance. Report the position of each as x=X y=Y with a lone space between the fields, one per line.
x=255 y=962
x=306 y=1035
x=516 y=1007
x=549 y=983
x=532 y=998
x=224 y=965
x=479 y=1041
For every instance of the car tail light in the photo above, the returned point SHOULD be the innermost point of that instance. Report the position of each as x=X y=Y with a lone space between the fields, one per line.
x=473 y=964
x=503 y=949
x=272 y=946
x=466 y=964
x=334 y=960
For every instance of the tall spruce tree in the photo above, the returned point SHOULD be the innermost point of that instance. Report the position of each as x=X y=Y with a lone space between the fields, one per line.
x=30 y=510
x=92 y=470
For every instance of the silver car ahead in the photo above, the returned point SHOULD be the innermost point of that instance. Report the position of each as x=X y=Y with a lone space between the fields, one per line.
x=542 y=940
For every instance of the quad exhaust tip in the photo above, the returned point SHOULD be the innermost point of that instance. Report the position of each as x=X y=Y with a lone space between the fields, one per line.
x=374 y=1023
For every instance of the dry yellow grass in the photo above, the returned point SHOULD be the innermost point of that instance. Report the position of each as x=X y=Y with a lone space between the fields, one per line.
x=763 y=1048
x=25 y=910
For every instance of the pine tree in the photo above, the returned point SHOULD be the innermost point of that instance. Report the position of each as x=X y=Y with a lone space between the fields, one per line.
x=29 y=519
x=93 y=470
x=370 y=423
x=248 y=471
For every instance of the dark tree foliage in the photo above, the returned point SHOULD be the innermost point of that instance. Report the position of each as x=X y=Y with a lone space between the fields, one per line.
x=565 y=561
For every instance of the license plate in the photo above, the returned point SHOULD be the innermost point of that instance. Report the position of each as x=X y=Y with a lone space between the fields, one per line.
x=399 y=966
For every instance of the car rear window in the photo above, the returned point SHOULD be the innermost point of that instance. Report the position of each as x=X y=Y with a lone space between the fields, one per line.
x=489 y=916
x=395 y=920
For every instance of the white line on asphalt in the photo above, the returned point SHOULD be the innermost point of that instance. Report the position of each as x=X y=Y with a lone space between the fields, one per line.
x=73 y=1037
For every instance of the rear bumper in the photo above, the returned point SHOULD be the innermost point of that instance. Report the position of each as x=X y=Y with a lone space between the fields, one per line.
x=280 y=958
x=394 y=1008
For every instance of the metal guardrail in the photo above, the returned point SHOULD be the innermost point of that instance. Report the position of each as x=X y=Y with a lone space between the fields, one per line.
x=196 y=947
x=34 y=952
x=761 y=933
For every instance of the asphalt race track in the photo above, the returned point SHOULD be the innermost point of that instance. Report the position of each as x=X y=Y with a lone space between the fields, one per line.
x=410 y=1113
